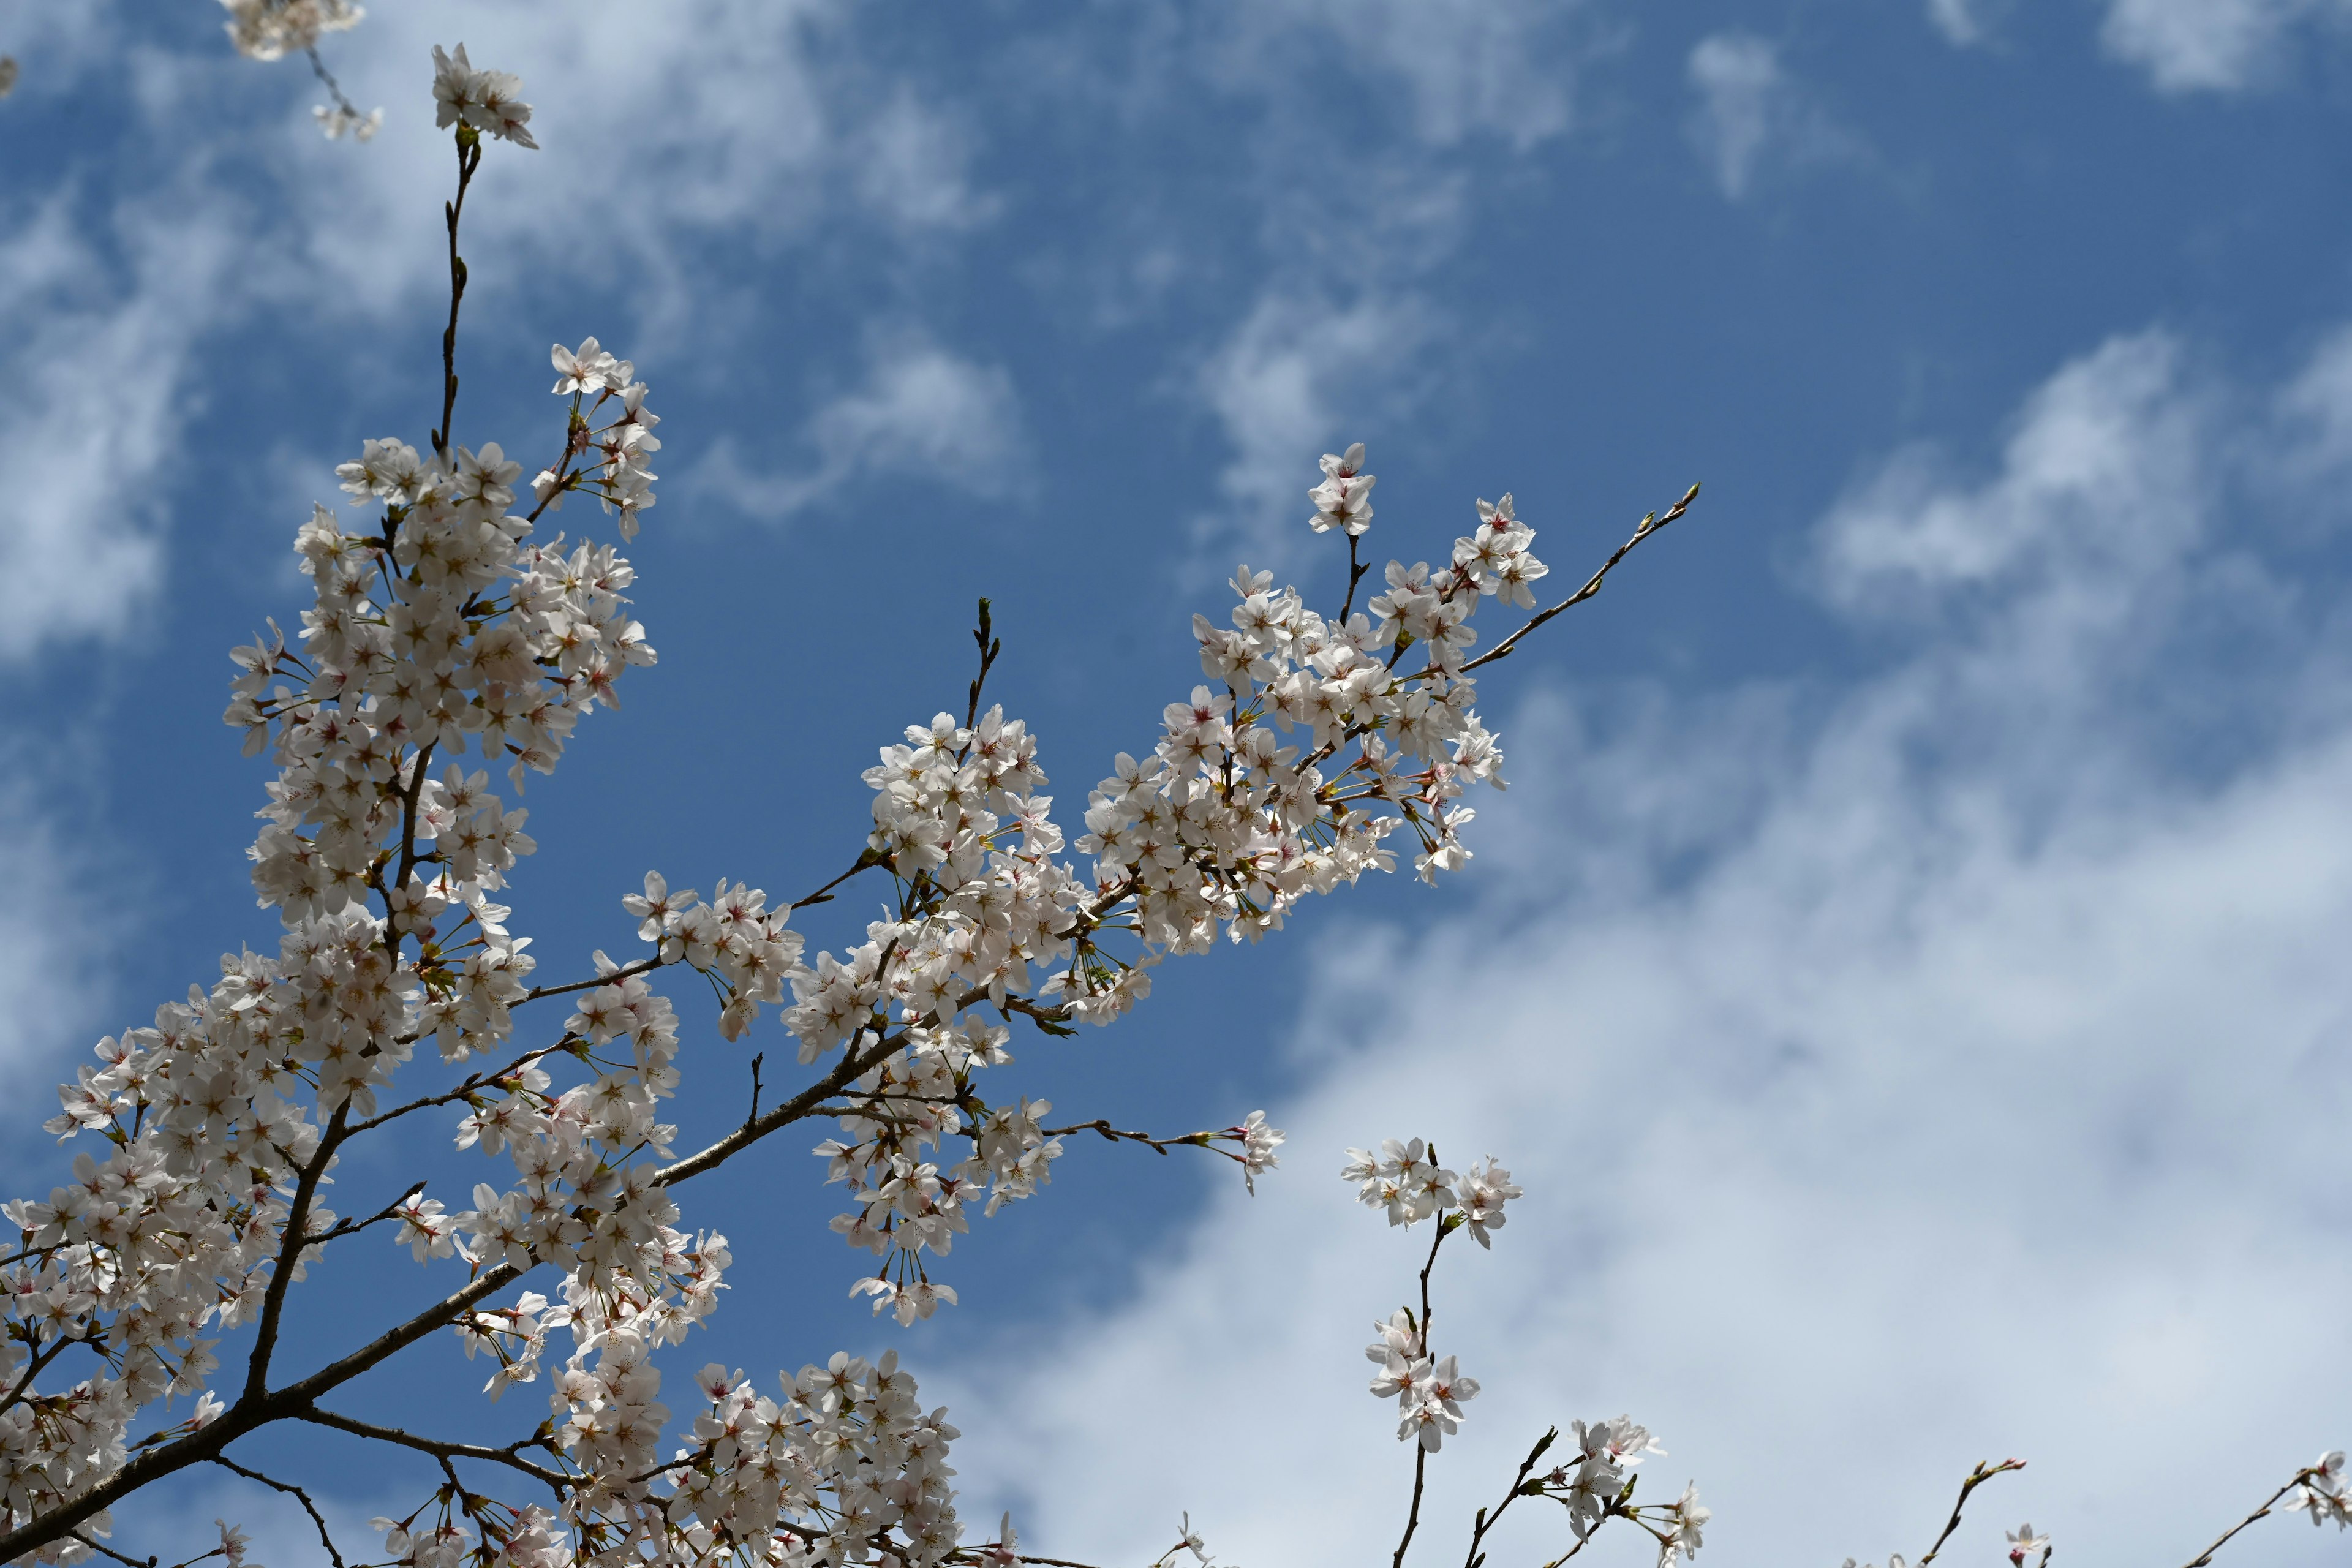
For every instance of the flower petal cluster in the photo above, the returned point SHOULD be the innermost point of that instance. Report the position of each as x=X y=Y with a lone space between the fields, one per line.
x=2325 y=1491
x=1429 y=1392
x=484 y=101
x=269 y=29
x=1405 y=1180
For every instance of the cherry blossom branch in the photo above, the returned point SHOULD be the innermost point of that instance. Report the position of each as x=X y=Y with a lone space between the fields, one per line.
x=298 y=1494
x=1159 y=1145
x=435 y=1447
x=1486 y=1520
x=852 y=1067
x=474 y=1084
x=1976 y=1477
x=865 y=862
x=334 y=89
x=626 y=970
x=2206 y=1556
x=246 y=1415
x=1653 y=523
x=101 y=1546
x=42 y=1358
x=352 y=1227
x=281 y=1273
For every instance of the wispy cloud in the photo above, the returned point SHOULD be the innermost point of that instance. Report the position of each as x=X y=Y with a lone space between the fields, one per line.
x=921 y=410
x=100 y=332
x=51 y=955
x=1753 y=116
x=1275 y=385
x=1927 y=1070
x=1966 y=22
x=1501 y=68
x=2212 y=46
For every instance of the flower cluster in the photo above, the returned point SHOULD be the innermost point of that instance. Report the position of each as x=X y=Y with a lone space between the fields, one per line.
x=269 y=29
x=1430 y=1394
x=1226 y=824
x=477 y=100
x=1405 y=1180
x=337 y=119
x=845 y=1467
x=2325 y=1491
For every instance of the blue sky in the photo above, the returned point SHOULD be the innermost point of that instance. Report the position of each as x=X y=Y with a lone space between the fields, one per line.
x=1906 y=971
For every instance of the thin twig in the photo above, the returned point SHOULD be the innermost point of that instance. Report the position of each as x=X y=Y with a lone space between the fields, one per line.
x=318 y=69
x=1976 y=1477
x=439 y=1449
x=469 y=158
x=2202 y=1559
x=298 y=1494
x=626 y=970
x=1117 y=1135
x=111 y=1551
x=1654 y=522
x=1356 y=570
x=351 y=1227
x=1486 y=1520
x=1419 y=1451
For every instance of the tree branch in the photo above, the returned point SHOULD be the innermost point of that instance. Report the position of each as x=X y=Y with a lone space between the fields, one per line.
x=2206 y=1556
x=434 y=1445
x=298 y=1494
x=1976 y=1477
x=1653 y=523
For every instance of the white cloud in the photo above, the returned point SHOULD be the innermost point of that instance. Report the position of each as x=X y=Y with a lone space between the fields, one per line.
x=1499 y=67
x=2217 y=45
x=910 y=167
x=1916 y=1074
x=1752 y=113
x=657 y=125
x=921 y=410
x=1966 y=22
x=51 y=957
x=2112 y=434
x=101 y=355
x=1276 y=385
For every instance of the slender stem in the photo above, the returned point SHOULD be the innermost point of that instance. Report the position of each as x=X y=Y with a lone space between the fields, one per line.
x=469 y=158
x=1117 y=1135
x=865 y=862
x=1976 y=1477
x=1356 y=570
x=111 y=1551
x=298 y=1494
x=1486 y=1519
x=1654 y=522
x=1413 y=1519
x=2206 y=1556
x=1419 y=1453
x=318 y=69
x=434 y=1445
x=281 y=1273
x=626 y=970
x=352 y=1227
x=989 y=647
